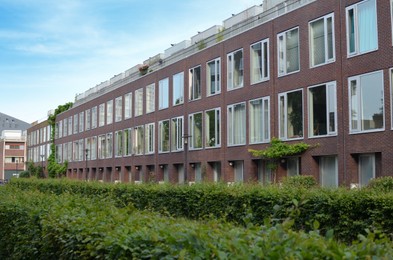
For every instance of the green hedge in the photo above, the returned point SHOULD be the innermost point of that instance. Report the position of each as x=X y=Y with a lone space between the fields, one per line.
x=346 y=212
x=41 y=226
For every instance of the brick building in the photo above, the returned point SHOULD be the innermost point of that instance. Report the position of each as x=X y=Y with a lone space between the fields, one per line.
x=317 y=71
x=12 y=153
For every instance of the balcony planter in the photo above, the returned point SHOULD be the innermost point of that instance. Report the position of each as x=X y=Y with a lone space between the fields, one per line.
x=143 y=69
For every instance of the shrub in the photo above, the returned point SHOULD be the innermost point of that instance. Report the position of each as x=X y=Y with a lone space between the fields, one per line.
x=300 y=181
x=381 y=184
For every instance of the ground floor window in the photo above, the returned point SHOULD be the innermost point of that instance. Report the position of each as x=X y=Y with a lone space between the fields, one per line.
x=328 y=171
x=264 y=172
x=293 y=166
x=238 y=170
x=366 y=168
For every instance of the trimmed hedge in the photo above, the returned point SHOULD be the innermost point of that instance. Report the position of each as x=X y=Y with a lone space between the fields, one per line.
x=42 y=226
x=346 y=212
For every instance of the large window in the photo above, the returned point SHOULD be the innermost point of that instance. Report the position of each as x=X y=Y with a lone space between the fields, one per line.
x=163 y=89
x=118 y=109
x=163 y=136
x=109 y=145
x=322 y=110
x=235 y=70
x=259 y=58
x=128 y=105
x=195 y=131
x=94 y=117
x=101 y=147
x=177 y=133
x=362 y=32
x=178 y=89
x=93 y=146
x=328 y=171
x=119 y=142
x=138 y=140
x=293 y=166
x=127 y=137
x=213 y=74
x=195 y=83
x=101 y=112
x=65 y=127
x=88 y=119
x=291 y=114
x=138 y=102
x=70 y=125
x=366 y=109
x=212 y=128
x=150 y=98
x=288 y=52
x=149 y=141
x=81 y=122
x=259 y=120
x=109 y=112
x=366 y=168
x=236 y=124
x=76 y=124
x=322 y=40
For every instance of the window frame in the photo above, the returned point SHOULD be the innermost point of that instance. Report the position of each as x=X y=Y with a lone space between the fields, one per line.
x=359 y=129
x=354 y=7
x=138 y=102
x=230 y=121
x=284 y=136
x=119 y=109
x=94 y=117
x=163 y=87
x=325 y=35
x=176 y=88
x=264 y=140
x=283 y=34
x=101 y=115
x=217 y=130
x=149 y=138
x=191 y=131
x=193 y=87
x=231 y=65
x=333 y=85
x=177 y=134
x=150 y=98
x=264 y=59
x=128 y=105
x=217 y=74
x=160 y=136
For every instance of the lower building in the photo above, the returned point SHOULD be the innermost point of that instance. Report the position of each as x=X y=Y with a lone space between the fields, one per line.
x=12 y=153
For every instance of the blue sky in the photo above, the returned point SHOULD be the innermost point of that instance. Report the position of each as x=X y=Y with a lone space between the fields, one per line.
x=52 y=50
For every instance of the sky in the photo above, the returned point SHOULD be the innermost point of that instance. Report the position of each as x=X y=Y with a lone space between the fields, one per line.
x=52 y=50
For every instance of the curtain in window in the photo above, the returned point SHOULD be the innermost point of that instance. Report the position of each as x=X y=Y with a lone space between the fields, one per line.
x=328 y=171
x=239 y=124
x=256 y=124
x=367 y=16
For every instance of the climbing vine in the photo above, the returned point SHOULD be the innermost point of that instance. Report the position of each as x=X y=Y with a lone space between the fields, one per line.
x=55 y=169
x=278 y=150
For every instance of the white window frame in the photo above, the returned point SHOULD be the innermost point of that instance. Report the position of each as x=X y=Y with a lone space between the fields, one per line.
x=360 y=105
x=191 y=131
x=161 y=137
x=163 y=94
x=373 y=159
x=109 y=112
x=109 y=145
x=119 y=144
x=326 y=41
x=231 y=69
x=177 y=133
x=138 y=140
x=217 y=129
x=150 y=98
x=193 y=88
x=178 y=89
x=128 y=105
x=284 y=136
x=76 y=123
x=149 y=138
x=265 y=139
x=94 y=117
x=70 y=125
x=255 y=65
x=101 y=115
x=231 y=122
x=127 y=149
x=88 y=119
x=138 y=102
x=330 y=86
x=217 y=74
x=119 y=109
x=81 y=122
x=322 y=173
x=282 y=63
x=354 y=8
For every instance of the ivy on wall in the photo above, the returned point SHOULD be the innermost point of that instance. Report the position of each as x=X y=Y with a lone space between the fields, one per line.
x=55 y=169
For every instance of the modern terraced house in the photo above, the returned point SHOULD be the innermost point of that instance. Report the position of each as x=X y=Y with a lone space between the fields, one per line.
x=313 y=71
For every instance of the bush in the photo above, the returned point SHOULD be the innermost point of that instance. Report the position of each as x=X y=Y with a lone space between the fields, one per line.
x=300 y=181
x=381 y=184
x=24 y=174
x=40 y=226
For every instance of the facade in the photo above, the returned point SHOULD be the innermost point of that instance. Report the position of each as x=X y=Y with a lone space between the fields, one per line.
x=12 y=153
x=39 y=143
x=317 y=71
